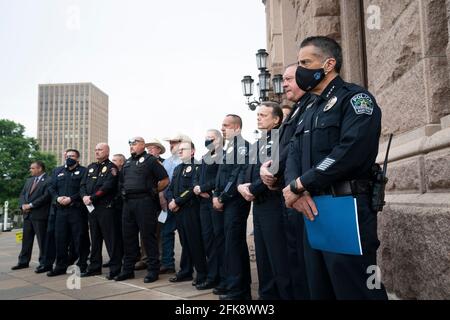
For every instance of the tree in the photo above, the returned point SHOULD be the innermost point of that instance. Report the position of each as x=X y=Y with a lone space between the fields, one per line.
x=16 y=154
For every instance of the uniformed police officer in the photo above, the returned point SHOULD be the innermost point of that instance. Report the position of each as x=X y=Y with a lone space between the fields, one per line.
x=140 y=180
x=332 y=152
x=275 y=180
x=98 y=189
x=211 y=220
x=184 y=204
x=65 y=191
x=268 y=221
x=235 y=210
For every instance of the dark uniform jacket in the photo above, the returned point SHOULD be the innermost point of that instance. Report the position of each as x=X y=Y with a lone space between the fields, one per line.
x=207 y=173
x=67 y=183
x=40 y=198
x=235 y=158
x=182 y=184
x=337 y=138
x=250 y=173
x=286 y=132
x=100 y=183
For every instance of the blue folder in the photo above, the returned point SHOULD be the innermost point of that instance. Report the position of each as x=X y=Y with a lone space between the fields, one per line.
x=335 y=228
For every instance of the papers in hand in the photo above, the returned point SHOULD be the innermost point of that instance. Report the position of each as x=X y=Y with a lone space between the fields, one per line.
x=90 y=207
x=162 y=216
x=335 y=228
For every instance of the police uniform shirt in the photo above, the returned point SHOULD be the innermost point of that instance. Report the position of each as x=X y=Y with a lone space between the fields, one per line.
x=182 y=184
x=67 y=183
x=235 y=159
x=336 y=138
x=100 y=181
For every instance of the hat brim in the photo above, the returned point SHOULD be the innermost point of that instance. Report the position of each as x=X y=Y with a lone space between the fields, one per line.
x=163 y=149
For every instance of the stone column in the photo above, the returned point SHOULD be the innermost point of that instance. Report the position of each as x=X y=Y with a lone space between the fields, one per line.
x=354 y=69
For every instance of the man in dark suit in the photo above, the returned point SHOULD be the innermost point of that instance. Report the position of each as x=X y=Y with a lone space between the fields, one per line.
x=35 y=205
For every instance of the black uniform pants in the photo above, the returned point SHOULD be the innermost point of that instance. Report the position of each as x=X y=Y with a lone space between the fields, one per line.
x=102 y=225
x=294 y=230
x=140 y=215
x=237 y=260
x=271 y=249
x=345 y=277
x=30 y=229
x=213 y=240
x=192 y=252
x=50 y=244
x=68 y=227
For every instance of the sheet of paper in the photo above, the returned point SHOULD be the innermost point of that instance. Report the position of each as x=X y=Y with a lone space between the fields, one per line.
x=90 y=207
x=162 y=216
x=335 y=228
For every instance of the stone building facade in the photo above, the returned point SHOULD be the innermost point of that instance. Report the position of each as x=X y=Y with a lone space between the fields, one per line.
x=400 y=51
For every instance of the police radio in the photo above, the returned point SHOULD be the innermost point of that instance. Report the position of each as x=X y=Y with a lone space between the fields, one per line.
x=379 y=181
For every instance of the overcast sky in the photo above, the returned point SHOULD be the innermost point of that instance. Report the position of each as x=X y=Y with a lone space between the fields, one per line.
x=166 y=66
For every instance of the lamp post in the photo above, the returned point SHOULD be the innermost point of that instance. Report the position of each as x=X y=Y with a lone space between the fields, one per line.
x=263 y=84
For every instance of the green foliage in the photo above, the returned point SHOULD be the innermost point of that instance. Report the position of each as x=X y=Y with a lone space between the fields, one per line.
x=16 y=154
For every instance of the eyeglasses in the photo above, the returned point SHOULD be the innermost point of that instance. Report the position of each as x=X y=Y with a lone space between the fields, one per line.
x=134 y=142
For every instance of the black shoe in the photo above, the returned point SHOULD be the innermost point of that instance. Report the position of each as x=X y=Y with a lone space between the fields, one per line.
x=151 y=277
x=56 y=272
x=124 y=276
x=140 y=265
x=91 y=273
x=20 y=266
x=165 y=270
x=220 y=291
x=111 y=276
x=180 y=278
x=106 y=264
x=42 y=269
x=205 y=285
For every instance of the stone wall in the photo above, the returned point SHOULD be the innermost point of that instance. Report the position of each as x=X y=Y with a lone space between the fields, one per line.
x=405 y=64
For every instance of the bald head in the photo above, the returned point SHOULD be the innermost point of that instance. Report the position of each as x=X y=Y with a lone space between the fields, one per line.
x=101 y=151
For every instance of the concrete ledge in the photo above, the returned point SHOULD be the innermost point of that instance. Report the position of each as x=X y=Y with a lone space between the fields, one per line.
x=420 y=145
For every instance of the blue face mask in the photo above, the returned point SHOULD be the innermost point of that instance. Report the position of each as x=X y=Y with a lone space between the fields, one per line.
x=208 y=142
x=70 y=162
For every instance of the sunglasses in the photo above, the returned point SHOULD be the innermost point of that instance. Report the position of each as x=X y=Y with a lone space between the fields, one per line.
x=134 y=142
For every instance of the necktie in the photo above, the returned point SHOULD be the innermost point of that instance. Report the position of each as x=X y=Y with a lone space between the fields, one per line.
x=33 y=187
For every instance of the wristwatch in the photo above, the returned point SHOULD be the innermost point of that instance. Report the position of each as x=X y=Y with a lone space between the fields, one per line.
x=293 y=187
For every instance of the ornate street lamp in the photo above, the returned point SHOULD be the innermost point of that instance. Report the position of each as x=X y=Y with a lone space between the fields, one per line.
x=264 y=82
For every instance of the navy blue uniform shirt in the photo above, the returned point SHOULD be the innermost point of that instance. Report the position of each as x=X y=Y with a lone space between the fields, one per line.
x=336 y=138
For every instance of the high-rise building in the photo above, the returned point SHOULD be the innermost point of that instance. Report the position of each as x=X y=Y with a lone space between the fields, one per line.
x=73 y=115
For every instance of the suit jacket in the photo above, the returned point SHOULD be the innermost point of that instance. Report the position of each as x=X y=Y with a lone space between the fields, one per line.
x=40 y=198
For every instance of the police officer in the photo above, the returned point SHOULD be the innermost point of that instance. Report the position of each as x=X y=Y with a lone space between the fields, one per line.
x=184 y=204
x=270 y=240
x=69 y=220
x=140 y=180
x=332 y=152
x=235 y=210
x=211 y=220
x=274 y=179
x=98 y=189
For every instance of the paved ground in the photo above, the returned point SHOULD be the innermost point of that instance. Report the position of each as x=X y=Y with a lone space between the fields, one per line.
x=26 y=285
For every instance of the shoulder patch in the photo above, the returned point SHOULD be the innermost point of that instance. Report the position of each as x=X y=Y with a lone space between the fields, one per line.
x=362 y=104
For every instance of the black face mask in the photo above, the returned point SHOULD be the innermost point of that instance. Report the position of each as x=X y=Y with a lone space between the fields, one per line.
x=208 y=142
x=308 y=79
x=70 y=162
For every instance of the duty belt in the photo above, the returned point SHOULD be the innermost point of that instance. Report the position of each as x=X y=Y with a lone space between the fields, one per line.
x=347 y=188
